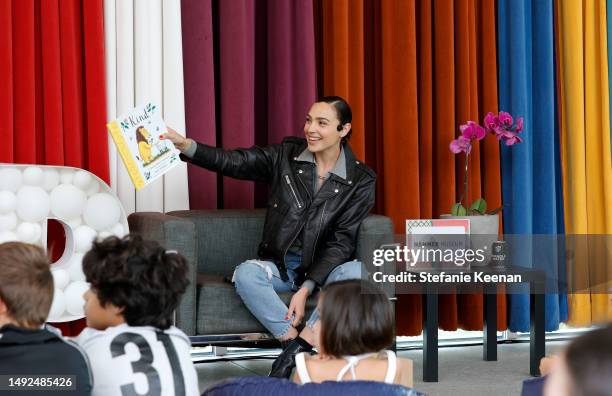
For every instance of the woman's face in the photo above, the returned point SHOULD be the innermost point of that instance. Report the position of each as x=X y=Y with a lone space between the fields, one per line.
x=321 y=128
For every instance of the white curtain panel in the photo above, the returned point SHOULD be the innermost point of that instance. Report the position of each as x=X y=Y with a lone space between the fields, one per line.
x=144 y=61
x=176 y=190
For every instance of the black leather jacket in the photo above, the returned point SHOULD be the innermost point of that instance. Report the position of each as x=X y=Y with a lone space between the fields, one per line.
x=330 y=218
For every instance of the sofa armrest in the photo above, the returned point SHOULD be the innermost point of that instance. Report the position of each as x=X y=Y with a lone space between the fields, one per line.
x=375 y=232
x=173 y=233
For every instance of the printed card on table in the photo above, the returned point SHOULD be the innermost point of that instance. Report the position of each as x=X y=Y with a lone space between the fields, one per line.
x=136 y=135
x=438 y=243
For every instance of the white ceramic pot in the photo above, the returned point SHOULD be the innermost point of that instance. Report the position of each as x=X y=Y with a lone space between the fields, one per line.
x=483 y=232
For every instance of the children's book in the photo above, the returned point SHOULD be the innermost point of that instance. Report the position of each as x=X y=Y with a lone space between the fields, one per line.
x=145 y=155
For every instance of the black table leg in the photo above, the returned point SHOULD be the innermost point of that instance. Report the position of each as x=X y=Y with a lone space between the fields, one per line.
x=537 y=347
x=394 y=305
x=489 y=336
x=430 y=337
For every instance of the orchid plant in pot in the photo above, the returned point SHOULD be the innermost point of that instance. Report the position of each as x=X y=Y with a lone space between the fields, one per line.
x=483 y=222
x=504 y=128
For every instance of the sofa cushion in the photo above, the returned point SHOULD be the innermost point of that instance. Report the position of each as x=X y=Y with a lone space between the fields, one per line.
x=226 y=238
x=221 y=311
x=533 y=386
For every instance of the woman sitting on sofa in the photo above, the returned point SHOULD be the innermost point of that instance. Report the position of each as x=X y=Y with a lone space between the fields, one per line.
x=320 y=193
x=355 y=328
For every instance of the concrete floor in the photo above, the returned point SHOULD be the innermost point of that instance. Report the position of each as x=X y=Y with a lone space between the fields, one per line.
x=461 y=370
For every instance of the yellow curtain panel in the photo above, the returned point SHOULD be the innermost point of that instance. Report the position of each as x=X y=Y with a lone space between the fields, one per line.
x=585 y=154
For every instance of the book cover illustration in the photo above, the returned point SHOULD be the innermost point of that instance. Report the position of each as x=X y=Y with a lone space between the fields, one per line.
x=136 y=135
x=439 y=242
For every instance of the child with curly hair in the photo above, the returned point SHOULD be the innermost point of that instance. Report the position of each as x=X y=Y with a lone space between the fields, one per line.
x=133 y=347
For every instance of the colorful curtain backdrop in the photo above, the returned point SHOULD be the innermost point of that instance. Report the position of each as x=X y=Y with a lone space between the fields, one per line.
x=585 y=146
x=144 y=62
x=52 y=102
x=249 y=72
x=530 y=170
x=414 y=71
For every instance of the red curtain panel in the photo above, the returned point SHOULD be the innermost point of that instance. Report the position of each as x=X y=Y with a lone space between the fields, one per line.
x=199 y=82
x=54 y=97
x=52 y=104
x=249 y=70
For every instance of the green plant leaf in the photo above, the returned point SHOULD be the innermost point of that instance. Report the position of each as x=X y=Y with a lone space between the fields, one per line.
x=458 y=210
x=495 y=211
x=480 y=206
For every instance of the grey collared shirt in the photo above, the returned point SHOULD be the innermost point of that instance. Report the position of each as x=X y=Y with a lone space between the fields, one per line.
x=339 y=168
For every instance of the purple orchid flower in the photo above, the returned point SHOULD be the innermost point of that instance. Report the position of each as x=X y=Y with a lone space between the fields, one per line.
x=461 y=145
x=519 y=125
x=491 y=122
x=505 y=119
x=509 y=137
x=472 y=131
x=512 y=140
x=503 y=133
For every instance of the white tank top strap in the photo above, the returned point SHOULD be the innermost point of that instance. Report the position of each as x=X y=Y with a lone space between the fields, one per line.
x=353 y=361
x=300 y=366
x=391 y=367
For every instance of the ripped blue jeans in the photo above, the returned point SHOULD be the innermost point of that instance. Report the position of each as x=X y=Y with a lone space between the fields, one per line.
x=258 y=281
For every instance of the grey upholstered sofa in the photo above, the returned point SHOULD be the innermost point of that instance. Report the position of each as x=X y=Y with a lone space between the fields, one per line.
x=216 y=241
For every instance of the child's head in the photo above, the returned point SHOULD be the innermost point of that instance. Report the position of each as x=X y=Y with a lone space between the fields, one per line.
x=26 y=285
x=585 y=367
x=133 y=281
x=356 y=317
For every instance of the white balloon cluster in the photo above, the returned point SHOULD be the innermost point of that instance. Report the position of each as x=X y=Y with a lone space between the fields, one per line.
x=31 y=194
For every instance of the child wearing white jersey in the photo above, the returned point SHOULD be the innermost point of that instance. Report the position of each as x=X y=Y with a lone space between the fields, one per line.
x=133 y=348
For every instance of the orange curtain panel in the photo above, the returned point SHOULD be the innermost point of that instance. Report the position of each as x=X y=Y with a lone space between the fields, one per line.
x=413 y=72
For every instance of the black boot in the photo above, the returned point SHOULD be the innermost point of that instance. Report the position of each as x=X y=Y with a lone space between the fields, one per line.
x=285 y=362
